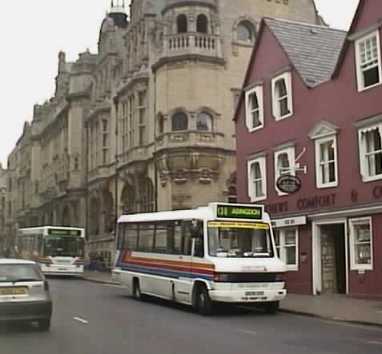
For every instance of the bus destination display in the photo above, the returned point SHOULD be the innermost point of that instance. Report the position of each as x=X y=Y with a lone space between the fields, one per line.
x=63 y=232
x=239 y=212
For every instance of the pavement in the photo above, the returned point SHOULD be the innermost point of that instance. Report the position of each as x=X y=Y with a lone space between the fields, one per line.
x=331 y=307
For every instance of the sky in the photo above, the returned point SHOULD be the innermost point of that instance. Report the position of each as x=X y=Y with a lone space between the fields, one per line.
x=33 y=32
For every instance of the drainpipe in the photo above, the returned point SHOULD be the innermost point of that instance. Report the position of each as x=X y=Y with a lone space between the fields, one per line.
x=155 y=145
x=116 y=106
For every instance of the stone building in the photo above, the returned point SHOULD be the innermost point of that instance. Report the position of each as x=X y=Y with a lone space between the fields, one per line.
x=146 y=124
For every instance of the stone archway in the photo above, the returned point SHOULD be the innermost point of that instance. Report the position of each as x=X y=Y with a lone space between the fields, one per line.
x=108 y=211
x=128 y=199
x=94 y=216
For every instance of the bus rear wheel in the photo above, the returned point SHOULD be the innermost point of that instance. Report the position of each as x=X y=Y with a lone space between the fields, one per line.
x=203 y=301
x=137 y=293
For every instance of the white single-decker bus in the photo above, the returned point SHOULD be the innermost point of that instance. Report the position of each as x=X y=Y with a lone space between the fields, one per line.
x=220 y=253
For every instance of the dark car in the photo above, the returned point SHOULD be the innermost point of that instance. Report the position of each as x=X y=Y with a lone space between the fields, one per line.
x=24 y=293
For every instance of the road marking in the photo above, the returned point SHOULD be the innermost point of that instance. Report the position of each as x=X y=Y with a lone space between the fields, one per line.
x=376 y=342
x=79 y=319
x=247 y=331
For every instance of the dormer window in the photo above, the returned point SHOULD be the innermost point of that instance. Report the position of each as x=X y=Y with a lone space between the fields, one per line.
x=282 y=96
x=182 y=24
x=368 y=59
x=202 y=24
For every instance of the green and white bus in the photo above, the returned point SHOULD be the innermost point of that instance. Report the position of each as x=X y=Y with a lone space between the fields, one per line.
x=59 y=250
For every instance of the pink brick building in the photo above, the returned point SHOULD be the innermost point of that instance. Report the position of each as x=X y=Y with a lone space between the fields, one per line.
x=312 y=107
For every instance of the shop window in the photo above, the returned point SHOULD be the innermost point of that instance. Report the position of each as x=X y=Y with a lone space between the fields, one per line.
x=182 y=24
x=287 y=247
x=257 y=185
x=326 y=162
x=179 y=121
x=282 y=96
x=254 y=110
x=370 y=147
x=202 y=24
x=204 y=122
x=368 y=59
x=284 y=164
x=361 y=244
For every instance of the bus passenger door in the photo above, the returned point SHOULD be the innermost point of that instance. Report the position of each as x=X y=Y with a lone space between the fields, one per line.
x=182 y=285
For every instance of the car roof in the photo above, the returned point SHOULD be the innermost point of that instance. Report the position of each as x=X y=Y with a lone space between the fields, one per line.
x=15 y=261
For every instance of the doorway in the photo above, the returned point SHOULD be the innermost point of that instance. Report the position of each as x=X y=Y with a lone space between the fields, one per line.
x=330 y=258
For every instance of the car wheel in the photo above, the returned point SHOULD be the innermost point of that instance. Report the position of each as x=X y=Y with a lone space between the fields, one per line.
x=44 y=325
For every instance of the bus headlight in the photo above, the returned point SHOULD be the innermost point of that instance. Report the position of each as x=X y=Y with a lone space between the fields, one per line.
x=221 y=277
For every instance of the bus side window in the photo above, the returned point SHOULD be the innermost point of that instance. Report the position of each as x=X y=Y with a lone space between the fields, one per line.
x=178 y=238
x=146 y=237
x=131 y=237
x=161 y=237
x=187 y=239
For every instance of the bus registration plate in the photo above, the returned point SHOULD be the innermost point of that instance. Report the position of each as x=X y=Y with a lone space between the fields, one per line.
x=13 y=291
x=254 y=293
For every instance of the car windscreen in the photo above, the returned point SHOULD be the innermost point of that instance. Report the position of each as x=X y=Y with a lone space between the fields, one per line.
x=19 y=272
x=239 y=239
x=64 y=246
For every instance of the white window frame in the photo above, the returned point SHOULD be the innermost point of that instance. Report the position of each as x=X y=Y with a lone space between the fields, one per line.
x=258 y=91
x=363 y=152
x=287 y=77
x=318 y=142
x=360 y=83
x=291 y=152
x=251 y=190
x=353 y=264
x=282 y=247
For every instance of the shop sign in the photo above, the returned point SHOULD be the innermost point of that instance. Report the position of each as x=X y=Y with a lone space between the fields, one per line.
x=288 y=184
x=287 y=222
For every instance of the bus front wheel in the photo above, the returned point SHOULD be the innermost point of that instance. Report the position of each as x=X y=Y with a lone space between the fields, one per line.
x=272 y=307
x=203 y=301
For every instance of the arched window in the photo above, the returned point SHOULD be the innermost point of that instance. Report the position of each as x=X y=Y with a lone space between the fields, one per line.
x=202 y=24
x=246 y=32
x=179 y=121
x=182 y=24
x=204 y=121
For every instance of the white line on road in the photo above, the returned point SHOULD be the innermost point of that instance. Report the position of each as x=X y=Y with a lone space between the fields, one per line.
x=376 y=342
x=79 y=319
x=247 y=331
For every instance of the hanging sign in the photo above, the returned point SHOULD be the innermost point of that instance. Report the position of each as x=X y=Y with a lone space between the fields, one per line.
x=288 y=184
